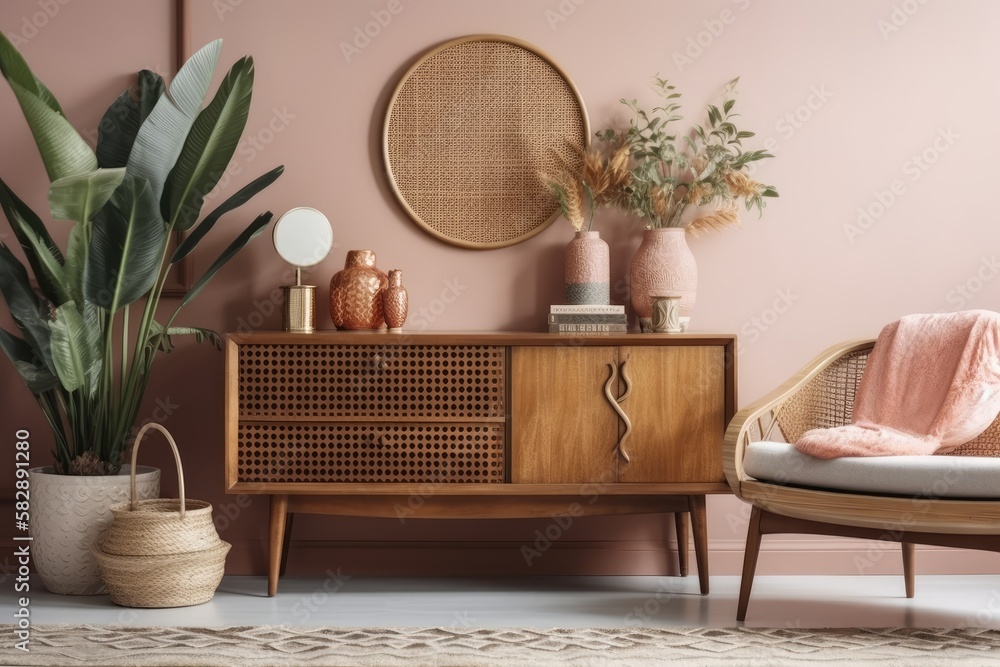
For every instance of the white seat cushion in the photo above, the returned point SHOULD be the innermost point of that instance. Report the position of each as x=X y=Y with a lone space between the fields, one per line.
x=924 y=476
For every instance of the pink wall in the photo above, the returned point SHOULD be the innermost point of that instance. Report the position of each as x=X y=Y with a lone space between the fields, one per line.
x=855 y=98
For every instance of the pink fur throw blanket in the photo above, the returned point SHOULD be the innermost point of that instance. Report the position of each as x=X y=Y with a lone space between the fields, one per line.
x=931 y=384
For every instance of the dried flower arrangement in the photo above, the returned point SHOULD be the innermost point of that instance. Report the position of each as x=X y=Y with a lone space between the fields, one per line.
x=709 y=167
x=641 y=169
x=600 y=180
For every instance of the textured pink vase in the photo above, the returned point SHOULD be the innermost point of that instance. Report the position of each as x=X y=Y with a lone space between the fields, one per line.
x=587 y=262
x=395 y=301
x=356 y=293
x=663 y=265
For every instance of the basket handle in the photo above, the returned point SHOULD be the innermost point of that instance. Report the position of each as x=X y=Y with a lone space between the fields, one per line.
x=177 y=460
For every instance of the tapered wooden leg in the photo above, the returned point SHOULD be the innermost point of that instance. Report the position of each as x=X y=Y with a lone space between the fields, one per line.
x=276 y=537
x=908 y=556
x=749 y=563
x=699 y=526
x=285 y=542
x=683 y=538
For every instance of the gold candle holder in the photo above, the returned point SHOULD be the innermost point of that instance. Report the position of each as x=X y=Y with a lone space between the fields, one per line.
x=300 y=308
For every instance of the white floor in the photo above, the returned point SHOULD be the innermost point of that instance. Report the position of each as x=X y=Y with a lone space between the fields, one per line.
x=545 y=602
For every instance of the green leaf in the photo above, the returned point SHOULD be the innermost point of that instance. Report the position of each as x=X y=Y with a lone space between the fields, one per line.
x=26 y=225
x=77 y=250
x=50 y=267
x=63 y=150
x=126 y=247
x=728 y=106
x=162 y=339
x=76 y=347
x=122 y=120
x=31 y=369
x=209 y=148
x=28 y=312
x=14 y=68
x=248 y=234
x=243 y=196
x=162 y=136
x=79 y=197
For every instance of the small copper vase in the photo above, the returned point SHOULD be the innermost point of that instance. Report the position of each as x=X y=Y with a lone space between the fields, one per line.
x=395 y=301
x=356 y=293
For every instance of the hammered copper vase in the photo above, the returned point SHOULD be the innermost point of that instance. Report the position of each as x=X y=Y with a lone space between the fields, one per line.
x=663 y=265
x=356 y=293
x=395 y=301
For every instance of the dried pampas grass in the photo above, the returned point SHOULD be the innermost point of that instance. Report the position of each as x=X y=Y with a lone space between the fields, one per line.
x=569 y=194
x=729 y=216
x=741 y=185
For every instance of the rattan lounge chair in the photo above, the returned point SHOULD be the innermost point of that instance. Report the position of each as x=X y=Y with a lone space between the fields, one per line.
x=951 y=500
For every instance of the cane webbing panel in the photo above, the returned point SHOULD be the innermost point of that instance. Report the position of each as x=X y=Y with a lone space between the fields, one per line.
x=467 y=132
x=828 y=401
x=371 y=452
x=376 y=381
x=986 y=443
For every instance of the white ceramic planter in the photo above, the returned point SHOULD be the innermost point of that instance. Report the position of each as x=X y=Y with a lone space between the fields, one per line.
x=68 y=513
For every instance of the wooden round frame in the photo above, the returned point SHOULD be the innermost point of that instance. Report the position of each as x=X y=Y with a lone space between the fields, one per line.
x=469 y=128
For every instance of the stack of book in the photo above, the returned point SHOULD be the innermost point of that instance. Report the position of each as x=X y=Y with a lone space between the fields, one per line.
x=587 y=319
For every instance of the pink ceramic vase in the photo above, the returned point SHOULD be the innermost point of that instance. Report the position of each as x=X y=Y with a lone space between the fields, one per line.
x=588 y=276
x=356 y=293
x=663 y=265
x=395 y=301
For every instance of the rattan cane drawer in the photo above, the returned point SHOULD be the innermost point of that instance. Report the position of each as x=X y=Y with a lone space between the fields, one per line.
x=371 y=452
x=371 y=381
x=371 y=413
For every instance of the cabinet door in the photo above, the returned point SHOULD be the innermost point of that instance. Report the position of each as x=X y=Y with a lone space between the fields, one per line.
x=676 y=408
x=563 y=430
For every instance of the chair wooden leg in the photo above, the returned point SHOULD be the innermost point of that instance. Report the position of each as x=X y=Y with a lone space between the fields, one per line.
x=908 y=560
x=285 y=541
x=683 y=538
x=276 y=537
x=699 y=526
x=749 y=563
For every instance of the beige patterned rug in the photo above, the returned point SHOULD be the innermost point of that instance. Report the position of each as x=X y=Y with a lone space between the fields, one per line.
x=280 y=646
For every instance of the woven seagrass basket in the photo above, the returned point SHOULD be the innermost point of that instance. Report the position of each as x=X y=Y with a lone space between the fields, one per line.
x=161 y=553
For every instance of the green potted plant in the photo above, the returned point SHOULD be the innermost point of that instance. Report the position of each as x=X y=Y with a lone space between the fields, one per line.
x=681 y=183
x=88 y=331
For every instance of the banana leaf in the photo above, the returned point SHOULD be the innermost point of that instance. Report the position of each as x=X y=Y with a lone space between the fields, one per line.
x=122 y=120
x=78 y=198
x=126 y=247
x=162 y=338
x=162 y=135
x=76 y=346
x=243 y=196
x=209 y=147
x=25 y=223
x=14 y=68
x=31 y=369
x=28 y=311
x=251 y=232
x=63 y=150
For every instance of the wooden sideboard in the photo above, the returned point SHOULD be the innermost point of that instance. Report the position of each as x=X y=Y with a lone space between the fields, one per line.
x=479 y=425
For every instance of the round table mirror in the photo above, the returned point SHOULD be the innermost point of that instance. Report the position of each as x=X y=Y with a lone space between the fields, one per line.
x=303 y=237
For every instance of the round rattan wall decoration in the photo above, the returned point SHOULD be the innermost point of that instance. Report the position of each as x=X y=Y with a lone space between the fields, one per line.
x=468 y=128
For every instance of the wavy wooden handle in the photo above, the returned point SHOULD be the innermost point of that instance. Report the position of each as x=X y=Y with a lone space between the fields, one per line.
x=628 y=422
x=621 y=413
